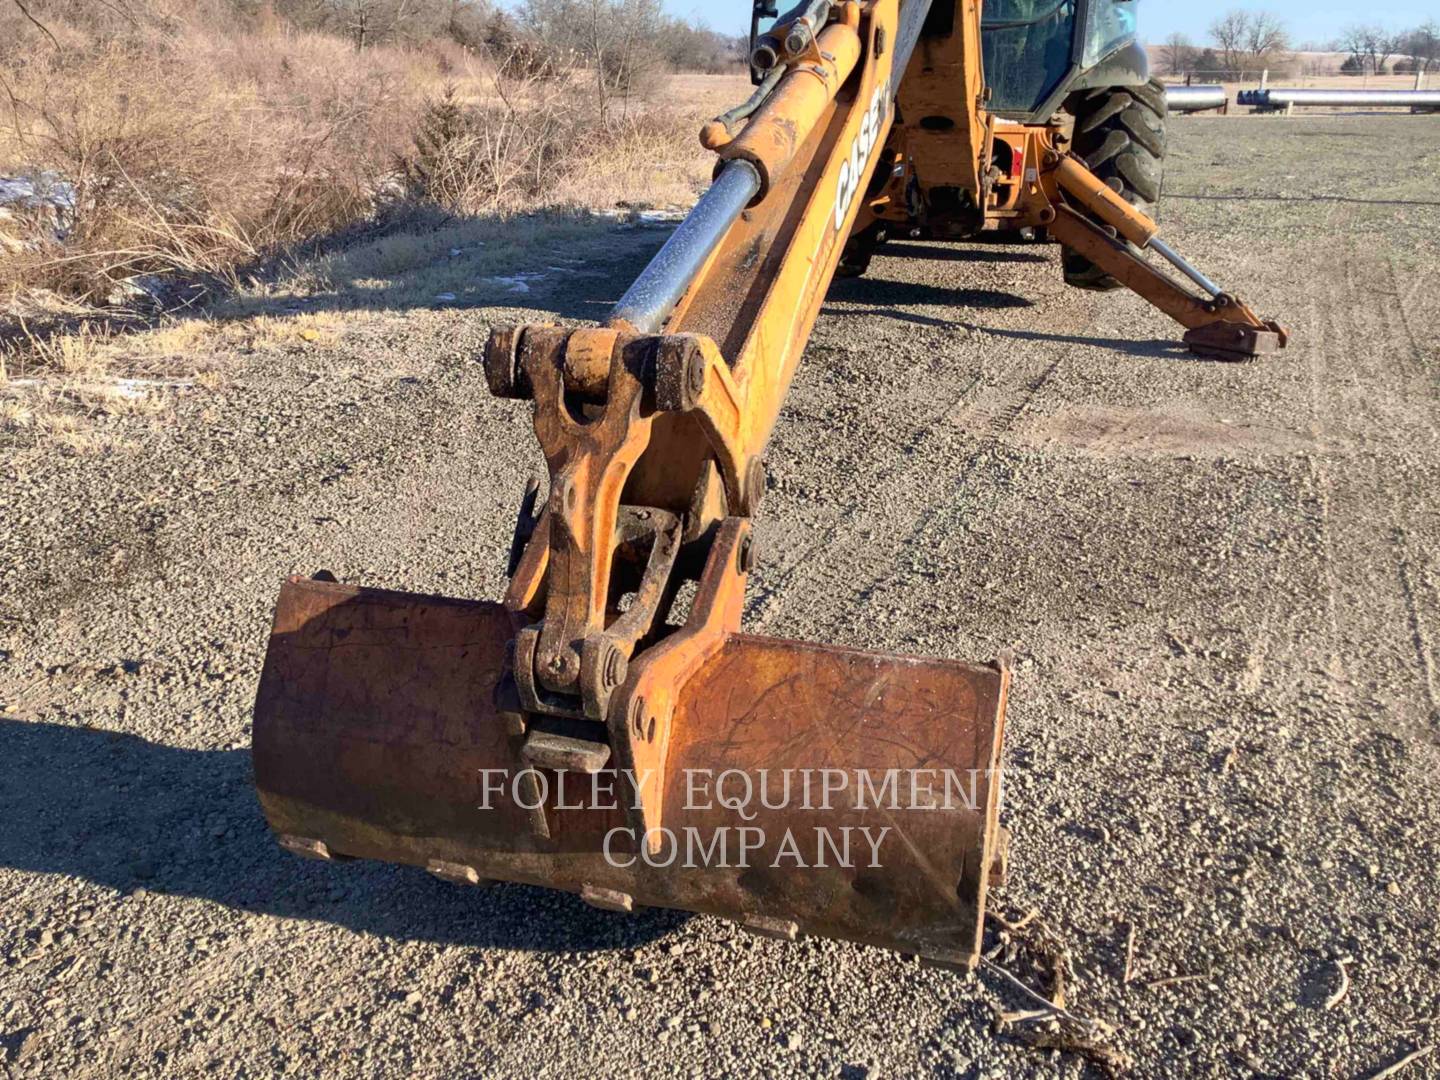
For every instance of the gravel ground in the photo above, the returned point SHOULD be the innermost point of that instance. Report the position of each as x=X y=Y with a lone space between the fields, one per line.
x=1222 y=584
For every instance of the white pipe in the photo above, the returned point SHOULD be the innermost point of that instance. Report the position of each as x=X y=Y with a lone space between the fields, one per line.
x=1276 y=98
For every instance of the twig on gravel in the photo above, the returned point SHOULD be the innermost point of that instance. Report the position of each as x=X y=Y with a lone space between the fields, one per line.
x=1129 y=957
x=1344 y=987
x=1175 y=980
x=1111 y=1061
x=1090 y=1027
x=1407 y=1060
x=1077 y=1034
x=1228 y=762
x=1019 y=924
x=1416 y=1024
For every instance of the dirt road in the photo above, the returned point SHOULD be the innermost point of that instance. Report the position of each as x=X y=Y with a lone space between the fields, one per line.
x=1222 y=584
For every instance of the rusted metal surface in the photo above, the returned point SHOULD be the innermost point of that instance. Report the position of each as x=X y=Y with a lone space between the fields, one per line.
x=376 y=721
x=1227 y=340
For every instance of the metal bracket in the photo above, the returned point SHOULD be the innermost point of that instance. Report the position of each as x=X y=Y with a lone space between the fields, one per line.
x=640 y=715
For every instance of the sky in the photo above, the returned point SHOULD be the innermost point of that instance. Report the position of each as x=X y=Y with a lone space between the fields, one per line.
x=1308 y=20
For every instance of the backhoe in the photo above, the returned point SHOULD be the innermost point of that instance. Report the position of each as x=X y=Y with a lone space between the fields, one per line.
x=607 y=727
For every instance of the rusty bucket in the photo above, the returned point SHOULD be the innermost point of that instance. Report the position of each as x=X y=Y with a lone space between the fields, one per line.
x=807 y=789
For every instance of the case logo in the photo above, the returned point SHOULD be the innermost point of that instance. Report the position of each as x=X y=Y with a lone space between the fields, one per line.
x=862 y=149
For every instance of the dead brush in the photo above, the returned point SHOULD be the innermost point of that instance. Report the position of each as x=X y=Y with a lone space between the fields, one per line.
x=77 y=354
x=179 y=170
x=504 y=151
x=549 y=140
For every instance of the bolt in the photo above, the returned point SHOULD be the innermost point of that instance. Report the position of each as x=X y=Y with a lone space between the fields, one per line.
x=745 y=556
x=503 y=369
x=695 y=373
x=616 y=667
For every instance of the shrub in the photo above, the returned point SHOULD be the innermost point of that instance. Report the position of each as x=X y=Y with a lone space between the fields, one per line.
x=201 y=135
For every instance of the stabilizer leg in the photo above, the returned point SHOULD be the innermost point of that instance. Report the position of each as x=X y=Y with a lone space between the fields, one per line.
x=1219 y=325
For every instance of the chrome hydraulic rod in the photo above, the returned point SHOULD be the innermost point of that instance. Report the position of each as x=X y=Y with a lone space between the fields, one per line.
x=649 y=301
x=1178 y=261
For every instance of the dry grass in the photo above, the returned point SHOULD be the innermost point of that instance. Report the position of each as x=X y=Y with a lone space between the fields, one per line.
x=71 y=415
x=62 y=388
x=466 y=260
x=190 y=155
x=205 y=150
x=194 y=150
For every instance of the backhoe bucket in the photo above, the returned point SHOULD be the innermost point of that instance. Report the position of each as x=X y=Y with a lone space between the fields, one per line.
x=808 y=789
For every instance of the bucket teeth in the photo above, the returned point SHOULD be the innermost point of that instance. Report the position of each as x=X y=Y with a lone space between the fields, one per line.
x=456 y=873
x=766 y=927
x=306 y=848
x=565 y=753
x=608 y=899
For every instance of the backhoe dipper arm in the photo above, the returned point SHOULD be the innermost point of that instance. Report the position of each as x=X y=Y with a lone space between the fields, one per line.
x=382 y=718
x=660 y=415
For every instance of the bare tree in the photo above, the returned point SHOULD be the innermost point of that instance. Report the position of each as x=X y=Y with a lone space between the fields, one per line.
x=1423 y=46
x=1370 y=47
x=1177 y=54
x=1352 y=41
x=373 y=22
x=1228 y=33
x=1250 y=40
x=612 y=38
x=1266 y=39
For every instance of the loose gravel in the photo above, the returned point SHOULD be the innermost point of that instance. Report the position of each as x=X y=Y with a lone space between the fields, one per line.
x=1221 y=584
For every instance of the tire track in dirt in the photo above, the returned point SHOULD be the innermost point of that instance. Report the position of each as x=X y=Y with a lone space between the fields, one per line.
x=1425 y=650
x=1400 y=300
x=836 y=561
x=1006 y=417
x=1398 y=303
x=1365 y=512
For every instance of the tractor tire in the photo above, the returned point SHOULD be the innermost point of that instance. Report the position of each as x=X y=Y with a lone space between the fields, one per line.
x=859 y=250
x=1120 y=134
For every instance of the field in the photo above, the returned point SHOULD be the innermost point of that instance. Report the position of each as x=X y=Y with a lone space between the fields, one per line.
x=1221 y=583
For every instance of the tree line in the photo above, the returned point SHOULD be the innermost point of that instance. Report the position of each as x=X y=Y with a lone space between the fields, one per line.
x=587 y=29
x=1252 y=41
x=592 y=33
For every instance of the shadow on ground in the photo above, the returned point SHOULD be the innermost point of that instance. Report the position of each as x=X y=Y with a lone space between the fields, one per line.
x=1156 y=349
x=971 y=251
x=126 y=813
x=573 y=267
x=897 y=294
